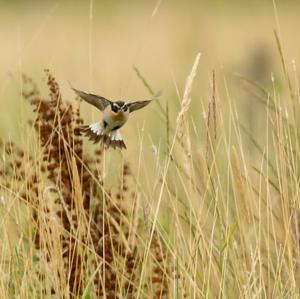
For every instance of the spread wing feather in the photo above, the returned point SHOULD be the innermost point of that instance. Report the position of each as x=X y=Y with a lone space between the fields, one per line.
x=95 y=134
x=95 y=100
x=138 y=105
x=141 y=104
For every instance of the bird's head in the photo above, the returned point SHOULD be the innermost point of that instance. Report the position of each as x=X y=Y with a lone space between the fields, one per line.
x=119 y=107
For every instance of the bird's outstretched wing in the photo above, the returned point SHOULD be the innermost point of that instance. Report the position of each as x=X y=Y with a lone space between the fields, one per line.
x=138 y=105
x=141 y=104
x=97 y=101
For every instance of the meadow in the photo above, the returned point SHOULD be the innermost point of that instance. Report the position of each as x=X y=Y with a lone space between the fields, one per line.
x=203 y=203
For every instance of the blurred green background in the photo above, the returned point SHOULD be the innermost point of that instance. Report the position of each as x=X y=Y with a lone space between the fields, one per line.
x=94 y=45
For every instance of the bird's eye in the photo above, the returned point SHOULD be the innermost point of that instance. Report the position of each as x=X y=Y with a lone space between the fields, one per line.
x=115 y=108
x=125 y=107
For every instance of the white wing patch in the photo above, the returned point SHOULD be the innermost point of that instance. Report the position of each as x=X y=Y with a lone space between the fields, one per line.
x=115 y=136
x=96 y=128
x=97 y=133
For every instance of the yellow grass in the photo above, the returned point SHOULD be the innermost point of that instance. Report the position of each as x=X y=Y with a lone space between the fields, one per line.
x=205 y=201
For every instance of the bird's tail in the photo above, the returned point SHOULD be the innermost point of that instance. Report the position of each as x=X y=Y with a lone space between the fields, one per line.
x=96 y=133
x=113 y=139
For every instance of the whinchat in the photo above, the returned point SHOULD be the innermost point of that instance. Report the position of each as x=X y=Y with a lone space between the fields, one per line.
x=115 y=115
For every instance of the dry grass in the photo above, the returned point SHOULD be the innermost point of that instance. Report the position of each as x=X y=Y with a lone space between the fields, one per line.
x=210 y=209
x=230 y=232
x=80 y=237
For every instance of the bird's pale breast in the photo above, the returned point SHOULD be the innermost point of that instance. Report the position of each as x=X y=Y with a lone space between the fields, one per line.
x=114 y=120
x=120 y=116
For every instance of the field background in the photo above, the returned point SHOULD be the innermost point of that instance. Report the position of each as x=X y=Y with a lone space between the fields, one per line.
x=96 y=51
x=229 y=219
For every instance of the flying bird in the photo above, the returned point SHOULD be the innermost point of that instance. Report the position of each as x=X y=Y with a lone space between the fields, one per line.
x=114 y=116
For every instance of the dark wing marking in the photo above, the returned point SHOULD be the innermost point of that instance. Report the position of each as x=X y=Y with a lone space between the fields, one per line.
x=105 y=140
x=97 y=101
x=138 y=105
x=87 y=131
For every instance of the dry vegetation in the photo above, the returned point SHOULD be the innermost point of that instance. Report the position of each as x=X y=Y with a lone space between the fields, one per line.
x=82 y=238
x=231 y=232
x=212 y=211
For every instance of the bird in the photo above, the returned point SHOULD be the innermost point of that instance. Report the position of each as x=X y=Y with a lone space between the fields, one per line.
x=114 y=115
